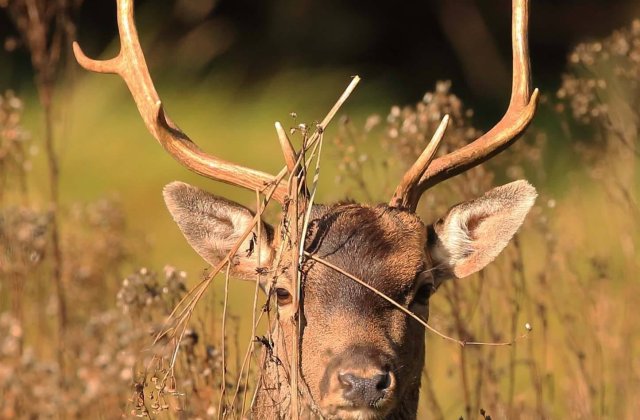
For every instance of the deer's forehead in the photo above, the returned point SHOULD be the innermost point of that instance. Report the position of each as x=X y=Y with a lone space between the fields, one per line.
x=380 y=245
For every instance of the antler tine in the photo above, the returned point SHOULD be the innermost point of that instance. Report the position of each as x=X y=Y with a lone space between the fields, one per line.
x=405 y=193
x=519 y=114
x=131 y=66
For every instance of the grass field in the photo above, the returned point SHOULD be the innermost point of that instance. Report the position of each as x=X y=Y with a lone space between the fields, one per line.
x=573 y=273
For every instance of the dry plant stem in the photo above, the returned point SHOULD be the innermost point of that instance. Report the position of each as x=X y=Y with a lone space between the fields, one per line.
x=515 y=315
x=56 y=269
x=299 y=258
x=297 y=190
x=533 y=369
x=312 y=142
x=236 y=344
x=251 y=347
x=287 y=148
x=246 y=361
x=481 y=370
x=44 y=38
x=307 y=216
x=294 y=185
x=411 y=314
x=465 y=383
x=332 y=113
x=285 y=240
x=194 y=295
x=173 y=322
x=222 y=408
x=432 y=404
x=478 y=386
x=232 y=252
x=293 y=224
x=455 y=302
x=343 y=98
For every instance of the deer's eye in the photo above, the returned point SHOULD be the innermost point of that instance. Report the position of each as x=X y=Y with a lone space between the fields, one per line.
x=283 y=296
x=423 y=294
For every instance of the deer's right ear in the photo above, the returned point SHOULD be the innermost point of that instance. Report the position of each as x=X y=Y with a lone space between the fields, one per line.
x=213 y=225
x=473 y=233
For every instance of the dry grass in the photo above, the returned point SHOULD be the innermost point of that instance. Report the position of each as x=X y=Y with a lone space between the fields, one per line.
x=570 y=274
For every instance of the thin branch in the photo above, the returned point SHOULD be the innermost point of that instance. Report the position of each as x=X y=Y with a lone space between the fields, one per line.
x=222 y=409
x=408 y=312
x=288 y=151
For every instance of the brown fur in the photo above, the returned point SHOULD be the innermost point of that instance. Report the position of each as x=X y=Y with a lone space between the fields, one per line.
x=345 y=327
x=385 y=248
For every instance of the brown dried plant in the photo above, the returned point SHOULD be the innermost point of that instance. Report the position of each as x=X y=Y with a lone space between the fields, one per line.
x=15 y=146
x=574 y=289
x=46 y=29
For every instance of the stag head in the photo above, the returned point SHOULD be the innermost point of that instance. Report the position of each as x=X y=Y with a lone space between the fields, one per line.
x=356 y=353
x=360 y=356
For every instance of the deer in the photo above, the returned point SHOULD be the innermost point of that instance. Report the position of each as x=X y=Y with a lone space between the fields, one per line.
x=341 y=349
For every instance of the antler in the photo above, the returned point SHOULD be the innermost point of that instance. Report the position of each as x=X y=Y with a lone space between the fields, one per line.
x=132 y=67
x=522 y=107
x=407 y=192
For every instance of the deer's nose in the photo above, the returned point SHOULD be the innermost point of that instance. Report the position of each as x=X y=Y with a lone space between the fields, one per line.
x=365 y=391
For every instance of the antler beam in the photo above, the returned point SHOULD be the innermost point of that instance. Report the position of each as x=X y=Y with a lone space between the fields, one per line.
x=131 y=66
x=519 y=114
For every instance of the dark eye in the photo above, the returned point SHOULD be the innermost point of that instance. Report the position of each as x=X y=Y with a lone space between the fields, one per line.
x=283 y=296
x=423 y=294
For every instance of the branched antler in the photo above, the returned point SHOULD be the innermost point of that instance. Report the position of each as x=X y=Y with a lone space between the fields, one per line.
x=132 y=67
x=522 y=107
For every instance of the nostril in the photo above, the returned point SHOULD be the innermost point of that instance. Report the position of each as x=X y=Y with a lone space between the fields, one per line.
x=382 y=381
x=365 y=391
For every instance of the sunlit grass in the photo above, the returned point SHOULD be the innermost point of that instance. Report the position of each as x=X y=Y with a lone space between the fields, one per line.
x=105 y=150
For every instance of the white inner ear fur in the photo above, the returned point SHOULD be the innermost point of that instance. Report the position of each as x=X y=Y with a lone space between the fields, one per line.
x=458 y=238
x=473 y=233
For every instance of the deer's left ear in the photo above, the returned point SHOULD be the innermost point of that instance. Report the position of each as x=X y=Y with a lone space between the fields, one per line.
x=213 y=225
x=473 y=233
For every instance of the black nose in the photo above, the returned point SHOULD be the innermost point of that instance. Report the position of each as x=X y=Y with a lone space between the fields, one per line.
x=364 y=392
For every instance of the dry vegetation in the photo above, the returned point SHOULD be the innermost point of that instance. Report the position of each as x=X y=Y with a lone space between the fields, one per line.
x=571 y=273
